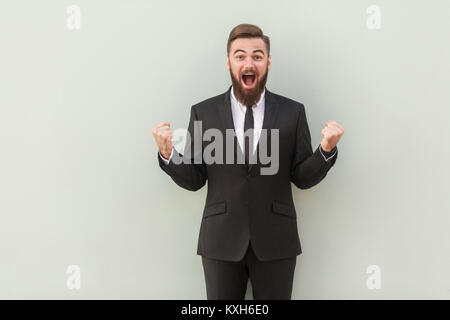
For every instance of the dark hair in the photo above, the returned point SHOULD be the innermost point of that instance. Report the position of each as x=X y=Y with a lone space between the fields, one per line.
x=245 y=30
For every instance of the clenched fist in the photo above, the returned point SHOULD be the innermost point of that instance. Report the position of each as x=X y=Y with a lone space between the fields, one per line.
x=163 y=137
x=331 y=134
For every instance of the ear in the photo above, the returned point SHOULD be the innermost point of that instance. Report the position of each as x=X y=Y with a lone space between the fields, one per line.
x=228 y=63
x=269 y=64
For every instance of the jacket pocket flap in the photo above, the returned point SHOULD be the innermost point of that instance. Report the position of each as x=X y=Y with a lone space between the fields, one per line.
x=216 y=208
x=285 y=209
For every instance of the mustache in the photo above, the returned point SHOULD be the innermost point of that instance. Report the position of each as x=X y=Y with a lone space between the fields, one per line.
x=248 y=71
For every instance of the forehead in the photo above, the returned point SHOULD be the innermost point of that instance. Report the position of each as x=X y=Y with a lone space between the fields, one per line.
x=248 y=45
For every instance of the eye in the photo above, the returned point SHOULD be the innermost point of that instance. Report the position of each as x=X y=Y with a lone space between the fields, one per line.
x=258 y=57
x=239 y=57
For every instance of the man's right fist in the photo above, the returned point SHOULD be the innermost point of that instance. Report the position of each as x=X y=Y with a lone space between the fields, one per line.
x=163 y=137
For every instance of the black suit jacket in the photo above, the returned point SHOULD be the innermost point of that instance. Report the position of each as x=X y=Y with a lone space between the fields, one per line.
x=243 y=205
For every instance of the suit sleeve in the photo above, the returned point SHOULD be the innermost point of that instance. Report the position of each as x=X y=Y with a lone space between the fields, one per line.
x=308 y=168
x=186 y=172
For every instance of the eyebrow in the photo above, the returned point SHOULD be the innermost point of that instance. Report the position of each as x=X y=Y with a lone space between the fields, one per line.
x=254 y=51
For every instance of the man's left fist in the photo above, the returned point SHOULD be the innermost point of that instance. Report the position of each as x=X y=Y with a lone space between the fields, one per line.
x=331 y=134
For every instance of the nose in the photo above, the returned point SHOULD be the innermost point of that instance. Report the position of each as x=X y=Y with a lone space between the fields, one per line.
x=249 y=63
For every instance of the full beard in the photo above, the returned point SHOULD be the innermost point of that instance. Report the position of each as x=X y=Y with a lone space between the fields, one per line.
x=248 y=97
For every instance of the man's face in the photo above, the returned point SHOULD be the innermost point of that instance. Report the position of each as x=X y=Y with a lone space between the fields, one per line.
x=249 y=64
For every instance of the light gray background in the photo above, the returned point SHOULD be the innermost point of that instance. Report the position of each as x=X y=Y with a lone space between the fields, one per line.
x=79 y=178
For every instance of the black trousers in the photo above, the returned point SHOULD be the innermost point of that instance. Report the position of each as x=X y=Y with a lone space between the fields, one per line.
x=270 y=280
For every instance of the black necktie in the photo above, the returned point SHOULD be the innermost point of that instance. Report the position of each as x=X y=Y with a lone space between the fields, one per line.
x=248 y=138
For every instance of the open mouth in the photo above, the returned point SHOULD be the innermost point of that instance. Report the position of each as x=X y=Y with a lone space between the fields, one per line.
x=249 y=80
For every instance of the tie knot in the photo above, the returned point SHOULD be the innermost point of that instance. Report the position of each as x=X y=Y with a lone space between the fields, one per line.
x=249 y=108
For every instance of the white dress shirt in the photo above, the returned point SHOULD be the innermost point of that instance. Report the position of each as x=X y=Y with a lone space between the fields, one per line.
x=238 y=111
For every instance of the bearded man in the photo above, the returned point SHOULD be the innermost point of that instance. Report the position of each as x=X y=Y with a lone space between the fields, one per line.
x=249 y=222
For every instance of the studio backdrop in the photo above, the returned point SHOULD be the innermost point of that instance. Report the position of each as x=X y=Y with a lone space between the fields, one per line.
x=85 y=210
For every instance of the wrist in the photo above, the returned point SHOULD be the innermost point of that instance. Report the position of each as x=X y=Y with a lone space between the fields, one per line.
x=326 y=149
x=164 y=154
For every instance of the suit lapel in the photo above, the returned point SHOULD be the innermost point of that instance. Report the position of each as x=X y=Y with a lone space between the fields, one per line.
x=270 y=111
x=227 y=121
x=225 y=111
